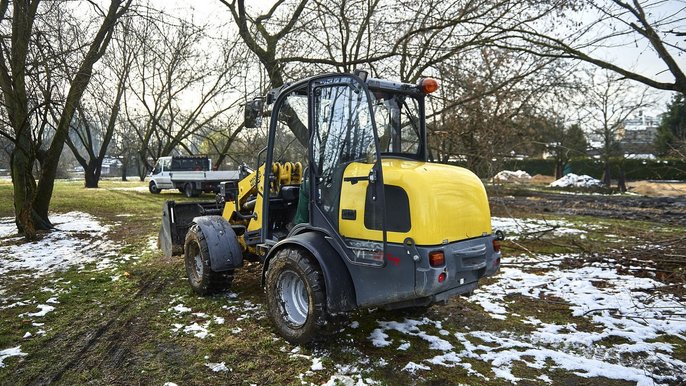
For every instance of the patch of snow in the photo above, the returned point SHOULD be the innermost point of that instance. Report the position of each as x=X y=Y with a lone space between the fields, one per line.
x=576 y=181
x=170 y=384
x=404 y=346
x=78 y=239
x=217 y=367
x=379 y=338
x=218 y=320
x=508 y=175
x=347 y=380
x=180 y=308
x=197 y=330
x=43 y=310
x=409 y=327
x=131 y=189
x=7 y=227
x=412 y=367
x=630 y=308
x=27 y=335
x=152 y=243
x=515 y=228
x=10 y=352
x=355 y=324
x=317 y=364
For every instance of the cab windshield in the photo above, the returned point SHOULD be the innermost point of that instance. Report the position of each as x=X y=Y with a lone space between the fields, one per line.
x=397 y=121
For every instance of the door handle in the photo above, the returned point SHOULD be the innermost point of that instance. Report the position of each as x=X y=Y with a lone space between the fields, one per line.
x=354 y=180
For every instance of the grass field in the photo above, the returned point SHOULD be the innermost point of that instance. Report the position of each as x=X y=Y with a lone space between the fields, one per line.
x=565 y=309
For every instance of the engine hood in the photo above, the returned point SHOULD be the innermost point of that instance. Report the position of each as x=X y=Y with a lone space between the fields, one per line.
x=446 y=203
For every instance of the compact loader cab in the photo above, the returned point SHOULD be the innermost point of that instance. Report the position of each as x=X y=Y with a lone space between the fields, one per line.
x=343 y=211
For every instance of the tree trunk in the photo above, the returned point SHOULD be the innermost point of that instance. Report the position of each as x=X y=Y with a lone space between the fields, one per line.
x=28 y=221
x=559 y=165
x=607 y=178
x=124 y=167
x=91 y=175
x=621 y=179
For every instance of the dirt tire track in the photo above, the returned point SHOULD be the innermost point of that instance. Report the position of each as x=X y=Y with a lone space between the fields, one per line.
x=54 y=372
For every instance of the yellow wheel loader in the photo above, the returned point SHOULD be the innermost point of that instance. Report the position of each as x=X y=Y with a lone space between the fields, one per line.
x=348 y=213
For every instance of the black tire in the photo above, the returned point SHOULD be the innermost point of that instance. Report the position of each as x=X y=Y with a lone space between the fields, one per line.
x=202 y=279
x=189 y=191
x=153 y=188
x=298 y=313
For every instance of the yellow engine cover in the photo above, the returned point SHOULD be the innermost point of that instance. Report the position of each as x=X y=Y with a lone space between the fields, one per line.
x=447 y=203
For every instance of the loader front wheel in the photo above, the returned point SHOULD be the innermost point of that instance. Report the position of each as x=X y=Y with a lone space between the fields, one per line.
x=202 y=279
x=296 y=299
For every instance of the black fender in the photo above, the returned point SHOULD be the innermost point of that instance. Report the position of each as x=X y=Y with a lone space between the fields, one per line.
x=340 y=291
x=222 y=243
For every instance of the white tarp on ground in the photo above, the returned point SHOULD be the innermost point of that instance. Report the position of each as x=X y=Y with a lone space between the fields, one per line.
x=508 y=175
x=572 y=180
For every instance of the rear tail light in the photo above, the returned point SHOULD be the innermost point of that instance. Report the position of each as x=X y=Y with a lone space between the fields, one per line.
x=436 y=258
x=496 y=245
x=441 y=277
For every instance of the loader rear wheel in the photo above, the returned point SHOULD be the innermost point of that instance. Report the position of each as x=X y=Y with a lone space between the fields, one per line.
x=153 y=188
x=296 y=299
x=202 y=279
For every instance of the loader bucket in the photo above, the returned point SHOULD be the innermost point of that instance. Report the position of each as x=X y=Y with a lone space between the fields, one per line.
x=177 y=218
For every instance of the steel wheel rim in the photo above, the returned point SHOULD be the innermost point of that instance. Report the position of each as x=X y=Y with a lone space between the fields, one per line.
x=293 y=298
x=196 y=273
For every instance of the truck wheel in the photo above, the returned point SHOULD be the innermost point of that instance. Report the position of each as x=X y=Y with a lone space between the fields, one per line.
x=202 y=279
x=153 y=188
x=189 y=191
x=295 y=296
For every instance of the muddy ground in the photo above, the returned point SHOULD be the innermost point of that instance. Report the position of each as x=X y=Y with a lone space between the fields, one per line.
x=515 y=200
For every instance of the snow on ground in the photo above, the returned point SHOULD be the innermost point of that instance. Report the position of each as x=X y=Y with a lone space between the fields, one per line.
x=10 y=352
x=516 y=228
x=201 y=325
x=131 y=189
x=508 y=175
x=576 y=181
x=78 y=239
x=621 y=308
x=217 y=367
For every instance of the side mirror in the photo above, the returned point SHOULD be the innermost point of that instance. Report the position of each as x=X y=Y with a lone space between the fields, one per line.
x=253 y=113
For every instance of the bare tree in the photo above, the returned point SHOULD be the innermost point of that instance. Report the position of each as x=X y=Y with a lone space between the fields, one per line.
x=94 y=125
x=608 y=102
x=27 y=81
x=181 y=82
x=656 y=28
x=483 y=110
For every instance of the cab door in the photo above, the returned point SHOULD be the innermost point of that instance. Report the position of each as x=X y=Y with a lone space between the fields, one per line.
x=164 y=179
x=344 y=152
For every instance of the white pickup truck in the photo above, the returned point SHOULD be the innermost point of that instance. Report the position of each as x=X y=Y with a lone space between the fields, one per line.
x=191 y=175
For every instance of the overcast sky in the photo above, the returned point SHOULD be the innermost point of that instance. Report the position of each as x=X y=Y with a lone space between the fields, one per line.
x=635 y=55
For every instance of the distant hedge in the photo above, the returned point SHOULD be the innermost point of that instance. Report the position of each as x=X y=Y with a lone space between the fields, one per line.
x=634 y=169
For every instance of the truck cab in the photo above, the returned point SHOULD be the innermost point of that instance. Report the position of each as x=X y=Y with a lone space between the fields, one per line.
x=160 y=175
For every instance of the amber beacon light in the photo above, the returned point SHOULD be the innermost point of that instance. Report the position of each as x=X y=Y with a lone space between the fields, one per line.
x=428 y=85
